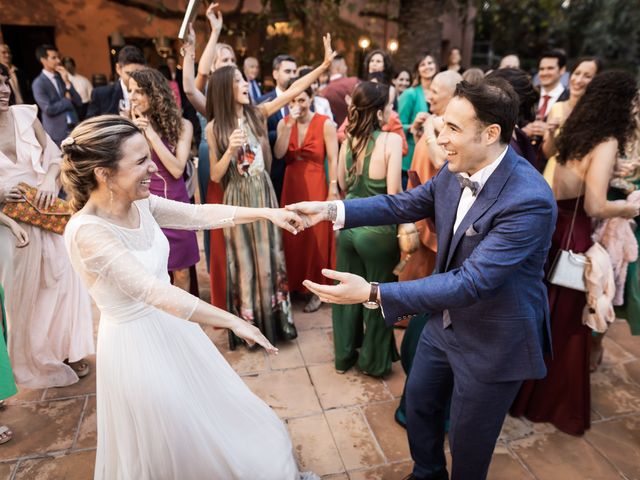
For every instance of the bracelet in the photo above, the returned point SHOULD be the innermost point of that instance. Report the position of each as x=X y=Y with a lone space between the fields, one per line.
x=332 y=211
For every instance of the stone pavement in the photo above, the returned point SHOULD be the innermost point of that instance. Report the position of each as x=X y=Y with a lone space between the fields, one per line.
x=342 y=425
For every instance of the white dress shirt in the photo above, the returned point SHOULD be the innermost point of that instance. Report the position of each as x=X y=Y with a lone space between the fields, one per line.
x=83 y=86
x=553 y=96
x=284 y=110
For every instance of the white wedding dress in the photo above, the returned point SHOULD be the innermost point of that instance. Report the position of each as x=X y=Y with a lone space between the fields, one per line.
x=169 y=406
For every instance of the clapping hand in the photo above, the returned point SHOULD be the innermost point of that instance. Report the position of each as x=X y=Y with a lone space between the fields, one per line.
x=350 y=290
x=252 y=335
x=329 y=54
x=215 y=20
x=312 y=213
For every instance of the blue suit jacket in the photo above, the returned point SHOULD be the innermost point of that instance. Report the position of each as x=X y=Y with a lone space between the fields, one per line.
x=489 y=274
x=55 y=107
x=105 y=100
x=273 y=120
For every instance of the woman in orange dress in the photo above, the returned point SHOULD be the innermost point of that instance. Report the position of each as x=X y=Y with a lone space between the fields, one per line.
x=304 y=140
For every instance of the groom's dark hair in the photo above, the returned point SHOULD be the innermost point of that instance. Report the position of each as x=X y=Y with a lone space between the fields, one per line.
x=494 y=101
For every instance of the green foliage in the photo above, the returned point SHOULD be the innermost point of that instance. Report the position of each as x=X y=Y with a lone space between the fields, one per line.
x=609 y=29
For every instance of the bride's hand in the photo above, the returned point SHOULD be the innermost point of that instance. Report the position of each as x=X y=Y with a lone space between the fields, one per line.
x=286 y=219
x=251 y=334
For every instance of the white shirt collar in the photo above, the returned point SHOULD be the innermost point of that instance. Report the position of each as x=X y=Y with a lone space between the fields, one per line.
x=279 y=92
x=335 y=76
x=554 y=93
x=49 y=75
x=482 y=175
x=125 y=93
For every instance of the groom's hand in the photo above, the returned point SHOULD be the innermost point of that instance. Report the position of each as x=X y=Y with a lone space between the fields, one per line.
x=352 y=289
x=313 y=213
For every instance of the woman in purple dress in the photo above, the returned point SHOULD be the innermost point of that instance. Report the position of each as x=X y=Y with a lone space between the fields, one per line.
x=155 y=112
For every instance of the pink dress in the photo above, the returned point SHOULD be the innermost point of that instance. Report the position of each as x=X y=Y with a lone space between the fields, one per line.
x=48 y=308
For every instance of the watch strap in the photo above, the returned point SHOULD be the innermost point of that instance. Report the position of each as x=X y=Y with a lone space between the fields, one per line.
x=373 y=294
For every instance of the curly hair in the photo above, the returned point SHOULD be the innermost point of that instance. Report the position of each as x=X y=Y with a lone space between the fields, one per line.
x=163 y=109
x=603 y=112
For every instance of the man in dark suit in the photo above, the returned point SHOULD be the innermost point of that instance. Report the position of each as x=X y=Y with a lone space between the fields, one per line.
x=489 y=324
x=251 y=69
x=106 y=99
x=284 y=69
x=338 y=88
x=55 y=95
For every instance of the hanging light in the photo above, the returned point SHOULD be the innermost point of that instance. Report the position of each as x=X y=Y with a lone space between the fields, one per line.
x=364 y=42
x=392 y=45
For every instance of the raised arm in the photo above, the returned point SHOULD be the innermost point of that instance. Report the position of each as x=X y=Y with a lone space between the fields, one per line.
x=331 y=147
x=100 y=255
x=186 y=216
x=206 y=59
x=195 y=96
x=300 y=85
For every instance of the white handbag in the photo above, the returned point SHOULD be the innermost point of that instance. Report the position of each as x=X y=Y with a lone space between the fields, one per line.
x=568 y=267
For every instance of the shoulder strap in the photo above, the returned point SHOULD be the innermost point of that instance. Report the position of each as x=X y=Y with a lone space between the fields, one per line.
x=573 y=217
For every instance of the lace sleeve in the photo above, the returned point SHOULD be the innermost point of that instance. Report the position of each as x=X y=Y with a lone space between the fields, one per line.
x=102 y=255
x=185 y=216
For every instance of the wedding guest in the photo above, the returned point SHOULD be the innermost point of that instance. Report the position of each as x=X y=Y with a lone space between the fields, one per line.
x=412 y=106
x=173 y=84
x=454 y=61
x=48 y=309
x=161 y=382
x=55 y=95
x=379 y=61
x=210 y=191
x=81 y=84
x=284 y=69
x=114 y=98
x=528 y=96
x=251 y=70
x=402 y=80
x=473 y=75
x=17 y=80
x=590 y=141
x=320 y=104
x=240 y=156
x=339 y=86
x=586 y=69
x=154 y=111
x=510 y=61
x=369 y=164
x=304 y=140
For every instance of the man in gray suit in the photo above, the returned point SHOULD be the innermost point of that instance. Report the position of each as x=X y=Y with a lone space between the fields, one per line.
x=55 y=95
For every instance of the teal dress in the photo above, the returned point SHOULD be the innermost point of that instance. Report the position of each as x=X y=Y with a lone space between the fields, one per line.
x=7 y=383
x=410 y=103
x=360 y=335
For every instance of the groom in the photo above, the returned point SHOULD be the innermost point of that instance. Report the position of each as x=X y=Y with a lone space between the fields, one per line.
x=494 y=216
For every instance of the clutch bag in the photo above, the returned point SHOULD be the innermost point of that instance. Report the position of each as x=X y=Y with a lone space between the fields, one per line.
x=568 y=270
x=53 y=219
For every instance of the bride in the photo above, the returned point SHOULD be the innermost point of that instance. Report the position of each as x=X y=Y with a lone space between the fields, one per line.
x=168 y=404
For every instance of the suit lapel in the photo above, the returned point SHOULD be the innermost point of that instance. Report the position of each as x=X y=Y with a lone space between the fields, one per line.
x=486 y=198
x=444 y=222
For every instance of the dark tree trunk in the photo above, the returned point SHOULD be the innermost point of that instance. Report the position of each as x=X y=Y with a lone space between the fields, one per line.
x=419 y=30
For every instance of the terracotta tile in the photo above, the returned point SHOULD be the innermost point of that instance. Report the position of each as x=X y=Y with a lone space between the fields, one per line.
x=41 y=427
x=395 y=471
x=288 y=392
x=391 y=436
x=354 y=439
x=351 y=388
x=633 y=370
x=619 y=332
x=515 y=429
x=87 y=436
x=612 y=392
x=613 y=353
x=83 y=386
x=243 y=360
x=288 y=356
x=396 y=379
x=76 y=466
x=316 y=345
x=619 y=441
x=561 y=456
x=338 y=476
x=314 y=446
x=25 y=395
x=308 y=321
x=6 y=469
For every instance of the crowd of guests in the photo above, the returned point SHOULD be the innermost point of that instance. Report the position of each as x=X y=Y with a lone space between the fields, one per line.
x=320 y=134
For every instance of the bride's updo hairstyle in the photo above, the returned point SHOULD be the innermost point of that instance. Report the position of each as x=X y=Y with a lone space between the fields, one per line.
x=96 y=142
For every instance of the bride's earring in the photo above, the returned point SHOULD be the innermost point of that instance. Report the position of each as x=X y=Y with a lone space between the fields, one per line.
x=110 y=200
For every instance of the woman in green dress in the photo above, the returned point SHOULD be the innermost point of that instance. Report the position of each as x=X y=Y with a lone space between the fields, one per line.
x=240 y=158
x=369 y=164
x=412 y=107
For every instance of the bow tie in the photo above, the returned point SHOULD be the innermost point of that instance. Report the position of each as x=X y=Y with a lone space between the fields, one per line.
x=470 y=184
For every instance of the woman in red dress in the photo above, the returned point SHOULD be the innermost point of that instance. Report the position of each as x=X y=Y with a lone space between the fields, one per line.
x=304 y=140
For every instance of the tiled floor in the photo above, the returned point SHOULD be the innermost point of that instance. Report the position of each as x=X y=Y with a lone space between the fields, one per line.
x=342 y=425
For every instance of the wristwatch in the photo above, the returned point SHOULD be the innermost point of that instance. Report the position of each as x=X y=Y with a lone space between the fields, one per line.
x=372 y=303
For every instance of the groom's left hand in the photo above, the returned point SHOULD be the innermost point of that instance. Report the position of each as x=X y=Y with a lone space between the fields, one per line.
x=352 y=289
